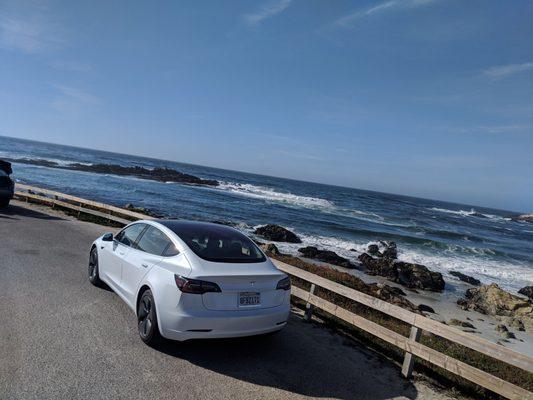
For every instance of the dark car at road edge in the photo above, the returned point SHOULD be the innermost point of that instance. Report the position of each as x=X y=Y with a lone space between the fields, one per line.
x=7 y=186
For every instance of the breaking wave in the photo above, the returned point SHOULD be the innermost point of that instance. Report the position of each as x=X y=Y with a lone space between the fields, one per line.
x=269 y=194
x=471 y=213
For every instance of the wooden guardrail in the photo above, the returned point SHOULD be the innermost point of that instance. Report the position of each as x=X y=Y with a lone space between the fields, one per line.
x=410 y=345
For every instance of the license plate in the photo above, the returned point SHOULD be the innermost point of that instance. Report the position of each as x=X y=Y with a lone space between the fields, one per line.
x=247 y=299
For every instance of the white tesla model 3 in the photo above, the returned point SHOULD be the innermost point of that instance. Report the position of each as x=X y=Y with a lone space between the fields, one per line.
x=188 y=280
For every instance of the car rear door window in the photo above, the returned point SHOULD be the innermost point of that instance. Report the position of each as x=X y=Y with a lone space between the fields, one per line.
x=129 y=235
x=154 y=241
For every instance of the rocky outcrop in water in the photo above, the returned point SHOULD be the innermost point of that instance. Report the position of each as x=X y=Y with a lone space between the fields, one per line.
x=527 y=291
x=390 y=250
x=492 y=300
x=524 y=217
x=157 y=174
x=326 y=256
x=277 y=233
x=414 y=276
x=465 y=278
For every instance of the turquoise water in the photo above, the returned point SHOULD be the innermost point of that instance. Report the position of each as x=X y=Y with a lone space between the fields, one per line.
x=444 y=236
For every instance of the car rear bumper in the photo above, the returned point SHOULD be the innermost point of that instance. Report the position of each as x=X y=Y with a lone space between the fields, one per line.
x=223 y=324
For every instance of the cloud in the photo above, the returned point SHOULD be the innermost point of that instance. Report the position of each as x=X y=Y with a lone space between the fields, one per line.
x=30 y=36
x=499 y=129
x=269 y=10
x=390 y=5
x=71 y=100
x=503 y=71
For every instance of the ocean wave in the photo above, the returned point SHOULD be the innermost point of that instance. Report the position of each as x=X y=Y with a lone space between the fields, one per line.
x=471 y=213
x=270 y=194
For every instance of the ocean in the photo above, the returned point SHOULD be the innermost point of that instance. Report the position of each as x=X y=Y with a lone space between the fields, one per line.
x=477 y=241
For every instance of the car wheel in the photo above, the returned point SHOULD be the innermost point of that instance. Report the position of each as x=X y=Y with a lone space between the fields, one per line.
x=4 y=203
x=147 y=319
x=94 y=277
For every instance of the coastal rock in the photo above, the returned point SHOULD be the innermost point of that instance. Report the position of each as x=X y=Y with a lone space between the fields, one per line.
x=501 y=328
x=162 y=174
x=391 y=250
x=425 y=308
x=326 y=256
x=270 y=249
x=466 y=278
x=527 y=291
x=492 y=300
x=463 y=324
x=524 y=217
x=419 y=277
x=373 y=249
x=379 y=266
x=413 y=276
x=277 y=233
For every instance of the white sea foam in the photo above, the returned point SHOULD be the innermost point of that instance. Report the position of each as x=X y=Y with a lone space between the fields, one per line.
x=471 y=213
x=270 y=194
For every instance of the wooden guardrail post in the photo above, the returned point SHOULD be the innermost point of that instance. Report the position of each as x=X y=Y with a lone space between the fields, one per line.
x=309 y=306
x=408 y=361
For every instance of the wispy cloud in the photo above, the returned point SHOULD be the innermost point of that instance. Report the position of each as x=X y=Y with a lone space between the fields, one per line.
x=71 y=100
x=350 y=19
x=499 y=129
x=502 y=71
x=29 y=35
x=267 y=11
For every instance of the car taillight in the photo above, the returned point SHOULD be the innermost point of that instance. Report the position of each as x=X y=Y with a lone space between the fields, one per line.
x=284 y=284
x=195 y=286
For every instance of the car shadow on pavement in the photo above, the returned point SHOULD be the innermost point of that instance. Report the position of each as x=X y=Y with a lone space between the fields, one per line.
x=303 y=358
x=12 y=212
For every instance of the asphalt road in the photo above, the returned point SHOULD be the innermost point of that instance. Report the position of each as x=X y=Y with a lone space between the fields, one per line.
x=62 y=338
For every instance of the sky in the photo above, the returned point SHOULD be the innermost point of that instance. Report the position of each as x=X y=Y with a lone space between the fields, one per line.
x=429 y=98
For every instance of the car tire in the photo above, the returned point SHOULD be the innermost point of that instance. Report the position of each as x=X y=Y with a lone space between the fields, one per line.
x=147 y=319
x=4 y=203
x=94 y=276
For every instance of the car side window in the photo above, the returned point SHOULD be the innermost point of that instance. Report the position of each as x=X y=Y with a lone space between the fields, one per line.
x=154 y=241
x=129 y=235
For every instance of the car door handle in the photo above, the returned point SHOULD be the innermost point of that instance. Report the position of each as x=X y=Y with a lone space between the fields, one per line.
x=121 y=253
x=145 y=265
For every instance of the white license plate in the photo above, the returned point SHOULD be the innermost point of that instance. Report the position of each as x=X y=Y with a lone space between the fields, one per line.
x=247 y=299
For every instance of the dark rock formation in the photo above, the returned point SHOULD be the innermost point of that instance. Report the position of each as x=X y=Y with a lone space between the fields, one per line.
x=527 y=291
x=326 y=256
x=501 y=328
x=414 y=276
x=277 y=233
x=524 y=217
x=379 y=266
x=465 y=278
x=425 y=308
x=391 y=250
x=157 y=174
x=373 y=249
x=463 y=324
x=419 y=277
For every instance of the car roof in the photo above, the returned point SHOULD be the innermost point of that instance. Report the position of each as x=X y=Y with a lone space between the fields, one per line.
x=183 y=226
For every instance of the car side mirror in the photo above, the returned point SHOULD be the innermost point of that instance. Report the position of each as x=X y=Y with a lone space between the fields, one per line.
x=108 y=237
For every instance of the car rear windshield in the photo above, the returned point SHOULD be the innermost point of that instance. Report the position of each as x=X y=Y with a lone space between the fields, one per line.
x=217 y=243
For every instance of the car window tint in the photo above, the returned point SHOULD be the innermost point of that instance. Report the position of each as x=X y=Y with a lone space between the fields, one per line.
x=171 y=250
x=129 y=235
x=153 y=241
